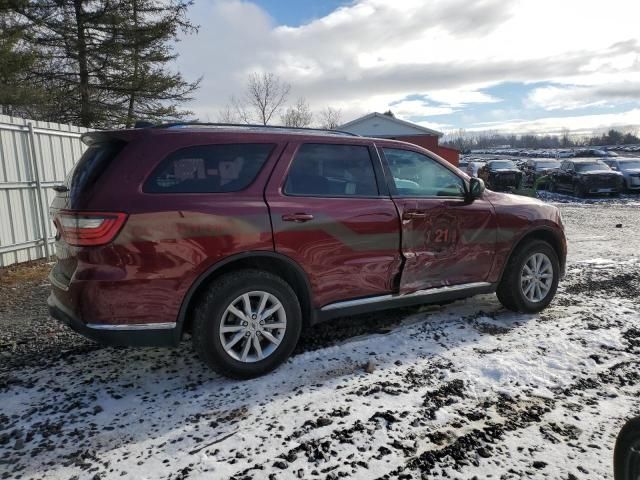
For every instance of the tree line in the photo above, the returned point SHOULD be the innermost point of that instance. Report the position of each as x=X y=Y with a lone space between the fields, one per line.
x=465 y=141
x=110 y=63
x=93 y=63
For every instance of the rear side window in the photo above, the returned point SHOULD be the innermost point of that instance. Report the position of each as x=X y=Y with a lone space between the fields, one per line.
x=332 y=171
x=209 y=168
x=90 y=166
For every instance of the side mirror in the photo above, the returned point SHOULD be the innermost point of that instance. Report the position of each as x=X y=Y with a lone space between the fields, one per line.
x=476 y=188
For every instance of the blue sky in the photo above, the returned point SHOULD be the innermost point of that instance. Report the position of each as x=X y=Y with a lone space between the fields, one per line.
x=447 y=64
x=295 y=13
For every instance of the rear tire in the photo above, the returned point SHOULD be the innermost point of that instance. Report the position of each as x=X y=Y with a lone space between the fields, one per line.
x=223 y=308
x=512 y=290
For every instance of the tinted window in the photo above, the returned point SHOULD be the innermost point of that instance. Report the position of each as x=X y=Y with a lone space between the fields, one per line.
x=592 y=167
x=415 y=174
x=209 y=169
x=332 y=171
x=504 y=164
x=90 y=166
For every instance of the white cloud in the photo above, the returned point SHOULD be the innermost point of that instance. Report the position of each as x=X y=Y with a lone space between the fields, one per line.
x=577 y=123
x=372 y=53
x=418 y=108
x=579 y=96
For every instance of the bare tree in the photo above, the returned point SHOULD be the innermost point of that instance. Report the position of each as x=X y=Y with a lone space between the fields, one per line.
x=264 y=96
x=228 y=115
x=330 y=118
x=298 y=115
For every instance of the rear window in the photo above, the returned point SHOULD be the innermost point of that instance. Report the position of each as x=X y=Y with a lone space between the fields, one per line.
x=332 y=171
x=90 y=166
x=209 y=169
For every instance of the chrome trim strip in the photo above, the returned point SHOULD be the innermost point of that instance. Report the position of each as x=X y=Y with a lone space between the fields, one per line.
x=133 y=326
x=420 y=293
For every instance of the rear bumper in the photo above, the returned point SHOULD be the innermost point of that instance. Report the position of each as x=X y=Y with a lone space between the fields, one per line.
x=139 y=335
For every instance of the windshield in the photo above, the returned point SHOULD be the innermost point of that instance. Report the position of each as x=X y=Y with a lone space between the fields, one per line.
x=545 y=165
x=591 y=167
x=502 y=164
x=629 y=164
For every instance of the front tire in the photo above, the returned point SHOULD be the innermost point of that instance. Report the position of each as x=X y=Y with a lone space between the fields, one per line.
x=578 y=190
x=530 y=279
x=246 y=324
x=626 y=455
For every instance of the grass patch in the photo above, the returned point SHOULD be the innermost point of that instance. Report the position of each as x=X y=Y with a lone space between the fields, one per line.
x=29 y=272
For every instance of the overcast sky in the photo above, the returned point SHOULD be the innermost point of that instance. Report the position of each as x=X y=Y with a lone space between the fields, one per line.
x=524 y=65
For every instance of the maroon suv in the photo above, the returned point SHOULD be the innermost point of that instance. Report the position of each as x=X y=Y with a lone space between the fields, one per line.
x=243 y=236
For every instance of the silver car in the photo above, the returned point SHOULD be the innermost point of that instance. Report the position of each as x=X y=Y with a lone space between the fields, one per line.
x=630 y=169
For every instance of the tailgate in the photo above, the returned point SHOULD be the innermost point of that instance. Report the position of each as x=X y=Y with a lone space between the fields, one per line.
x=74 y=195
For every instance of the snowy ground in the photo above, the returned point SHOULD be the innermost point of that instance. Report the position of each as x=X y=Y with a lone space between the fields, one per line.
x=458 y=391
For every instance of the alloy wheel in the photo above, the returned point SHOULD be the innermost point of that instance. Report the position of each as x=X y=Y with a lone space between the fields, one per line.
x=536 y=277
x=252 y=326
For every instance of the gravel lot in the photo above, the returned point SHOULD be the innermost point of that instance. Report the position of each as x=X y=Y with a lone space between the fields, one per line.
x=462 y=390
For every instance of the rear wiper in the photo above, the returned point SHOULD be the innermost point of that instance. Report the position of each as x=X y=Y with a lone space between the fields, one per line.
x=60 y=188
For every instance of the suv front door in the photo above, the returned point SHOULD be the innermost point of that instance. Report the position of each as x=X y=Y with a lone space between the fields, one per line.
x=332 y=214
x=445 y=239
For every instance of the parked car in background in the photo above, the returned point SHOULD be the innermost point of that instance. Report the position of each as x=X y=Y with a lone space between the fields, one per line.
x=533 y=169
x=244 y=236
x=583 y=176
x=629 y=168
x=500 y=175
x=473 y=167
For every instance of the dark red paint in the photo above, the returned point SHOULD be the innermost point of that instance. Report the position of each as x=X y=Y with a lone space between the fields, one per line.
x=347 y=247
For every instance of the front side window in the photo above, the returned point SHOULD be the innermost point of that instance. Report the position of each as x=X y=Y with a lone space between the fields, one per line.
x=332 y=171
x=415 y=174
x=209 y=169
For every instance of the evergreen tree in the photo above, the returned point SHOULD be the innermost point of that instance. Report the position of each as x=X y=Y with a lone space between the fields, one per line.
x=102 y=62
x=144 y=85
x=16 y=62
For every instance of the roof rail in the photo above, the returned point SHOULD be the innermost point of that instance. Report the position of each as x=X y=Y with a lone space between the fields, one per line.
x=249 y=126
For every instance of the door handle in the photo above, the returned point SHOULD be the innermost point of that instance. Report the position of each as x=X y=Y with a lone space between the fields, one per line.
x=410 y=215
x=297 y=217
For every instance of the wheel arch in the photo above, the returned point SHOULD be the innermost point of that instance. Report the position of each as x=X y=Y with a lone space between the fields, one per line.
x=272 y=262
x=546 y=234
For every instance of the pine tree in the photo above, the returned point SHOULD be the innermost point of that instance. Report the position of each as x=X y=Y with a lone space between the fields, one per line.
x=144 y=85
x=16 y=62
x=102 y=62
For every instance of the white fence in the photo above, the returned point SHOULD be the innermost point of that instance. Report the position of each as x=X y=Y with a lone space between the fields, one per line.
x=34 y=156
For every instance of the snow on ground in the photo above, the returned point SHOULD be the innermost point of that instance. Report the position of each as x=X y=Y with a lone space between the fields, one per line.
x=462 y=390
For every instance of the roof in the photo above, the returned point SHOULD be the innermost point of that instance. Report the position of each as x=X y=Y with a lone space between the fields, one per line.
x=419 y=129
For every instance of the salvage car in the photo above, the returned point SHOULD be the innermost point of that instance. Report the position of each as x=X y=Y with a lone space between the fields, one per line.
x=582 y=176
x=245 y=235
x=534 y=169
x=500 y=175
x=473 y=167
x=630 y=169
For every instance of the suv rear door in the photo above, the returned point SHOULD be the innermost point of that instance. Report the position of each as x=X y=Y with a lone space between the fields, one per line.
x=332 y=214
x=445 y=239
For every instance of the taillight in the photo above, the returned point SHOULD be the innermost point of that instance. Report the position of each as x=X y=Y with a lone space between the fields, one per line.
x=89 y=228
